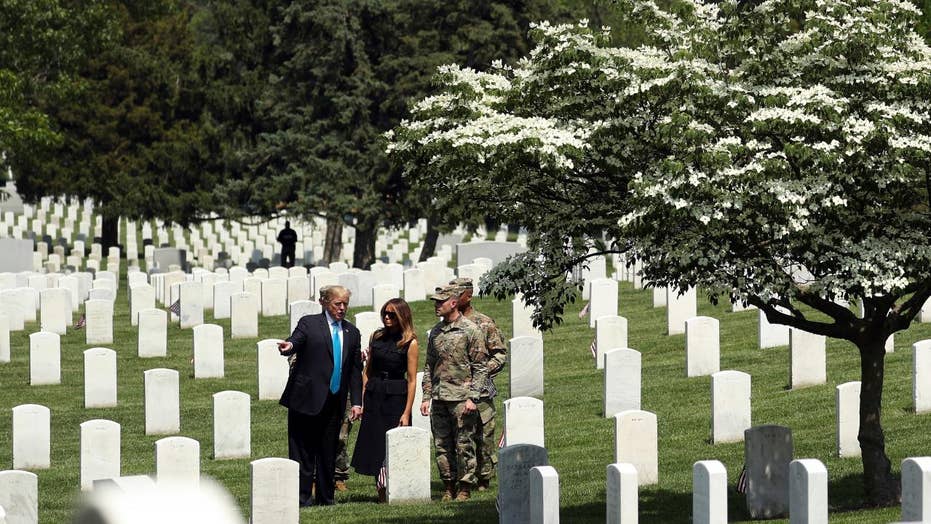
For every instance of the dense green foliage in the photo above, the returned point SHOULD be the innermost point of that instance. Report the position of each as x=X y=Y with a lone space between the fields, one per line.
x=42 y=43
x=131 y=136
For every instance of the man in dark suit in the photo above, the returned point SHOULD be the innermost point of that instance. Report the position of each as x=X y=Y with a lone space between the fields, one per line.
x=329 y=365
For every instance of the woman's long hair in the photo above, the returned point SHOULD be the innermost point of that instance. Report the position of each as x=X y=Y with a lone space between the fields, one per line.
x=405 y=320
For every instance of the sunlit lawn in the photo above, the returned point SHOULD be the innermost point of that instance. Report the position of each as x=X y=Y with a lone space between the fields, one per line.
x=579 y=439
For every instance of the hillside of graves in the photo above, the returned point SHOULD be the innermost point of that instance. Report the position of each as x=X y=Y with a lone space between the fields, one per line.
x=579 y=439
x=101 y=379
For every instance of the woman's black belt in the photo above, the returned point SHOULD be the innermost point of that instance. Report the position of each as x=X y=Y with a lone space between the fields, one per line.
x=387 y=375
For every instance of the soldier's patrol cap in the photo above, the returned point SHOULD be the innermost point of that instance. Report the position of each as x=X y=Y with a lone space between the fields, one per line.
x=445 y=293
x=463 y=283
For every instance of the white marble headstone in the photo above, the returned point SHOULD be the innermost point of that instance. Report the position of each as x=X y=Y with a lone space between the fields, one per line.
x=192 y=304
x=100 y=451
x=523 y=421
x=19 y=496
x=367 y=322
x=302 y=308
x=272 y=370
x=141 y=296
x=222 y=291
x=916 y=489
x=603 y=299
x=680 y=308
x=621 y=495
x=381 y=294
x=274 y=297
x=772 y=335
x=414 y=289
x=808 y=359
x=162 y=402
x=208 y=351
x=610 y=333
x=522 y=324
x=275 y=496
x=232 y=428
x=730 y=406
x=621 y=381
x=44 y=359
x=244 y=315
x=526 y=366
x=177 y=461
x=709 y=492
x=921 y=375
x=298 y=288
x=98 y=328
x=55 y=305
x=32 y=431
x=100 y=378
x=4 y=337
x=847 y=399
x=152 y=333
x=544 y=495
x=702 y=346
x=808 y=491
x=407 y=462
x=636 y=443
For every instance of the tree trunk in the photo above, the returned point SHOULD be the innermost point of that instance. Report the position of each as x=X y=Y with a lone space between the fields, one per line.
x=363 y=255
x=333 y=241
x=428 y=249
x=879 y=486
x=110 y=233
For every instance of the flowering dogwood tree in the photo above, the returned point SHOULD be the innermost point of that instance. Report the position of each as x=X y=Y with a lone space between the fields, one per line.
x=551 y=144
x=812 y=188
x=773 y=152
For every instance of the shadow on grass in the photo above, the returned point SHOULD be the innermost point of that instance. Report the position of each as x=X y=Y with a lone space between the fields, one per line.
x=655 y=506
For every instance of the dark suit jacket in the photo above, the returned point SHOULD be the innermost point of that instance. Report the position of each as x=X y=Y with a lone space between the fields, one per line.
x=309 y=382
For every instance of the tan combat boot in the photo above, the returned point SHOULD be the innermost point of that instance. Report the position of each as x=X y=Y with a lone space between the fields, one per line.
x=449 y=494
x=464 y=493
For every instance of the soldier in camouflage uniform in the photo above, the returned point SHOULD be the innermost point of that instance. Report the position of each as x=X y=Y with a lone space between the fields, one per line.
x=485 y=441
x=453 y=378
x=342 y=458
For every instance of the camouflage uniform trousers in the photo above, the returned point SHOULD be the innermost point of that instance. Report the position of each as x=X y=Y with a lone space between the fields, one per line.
x=342 y=457
x=485 y=441
x=453 y=433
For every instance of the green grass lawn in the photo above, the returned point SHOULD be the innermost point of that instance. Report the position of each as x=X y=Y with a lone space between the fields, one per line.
x=578 y=437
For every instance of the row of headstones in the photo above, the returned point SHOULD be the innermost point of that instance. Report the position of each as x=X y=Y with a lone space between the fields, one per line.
x=55 y=296
x=242 y=244
x=53 y=261
x=602 y=292
x=100 y=439
x=55 y=225
x=283 y=285
x=234 y=240
x=274 y=490
x=100 y=369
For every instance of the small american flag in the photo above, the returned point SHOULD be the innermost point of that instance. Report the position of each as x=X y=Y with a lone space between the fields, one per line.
x=501 y=441
x=81 y=322
x=584 y=312
x=176 y=307
x=381 y=481
x=742 y=480
x=594 y=348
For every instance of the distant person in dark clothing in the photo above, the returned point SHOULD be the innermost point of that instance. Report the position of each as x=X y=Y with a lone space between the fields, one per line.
x=288 y=239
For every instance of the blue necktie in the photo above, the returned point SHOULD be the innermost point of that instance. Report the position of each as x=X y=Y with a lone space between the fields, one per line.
x=337 y=359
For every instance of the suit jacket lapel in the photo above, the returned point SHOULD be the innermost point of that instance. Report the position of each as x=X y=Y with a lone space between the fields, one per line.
x=328 y=329
x=343 y=336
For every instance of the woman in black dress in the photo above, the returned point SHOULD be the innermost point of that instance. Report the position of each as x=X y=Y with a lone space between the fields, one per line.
x=389 y=394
